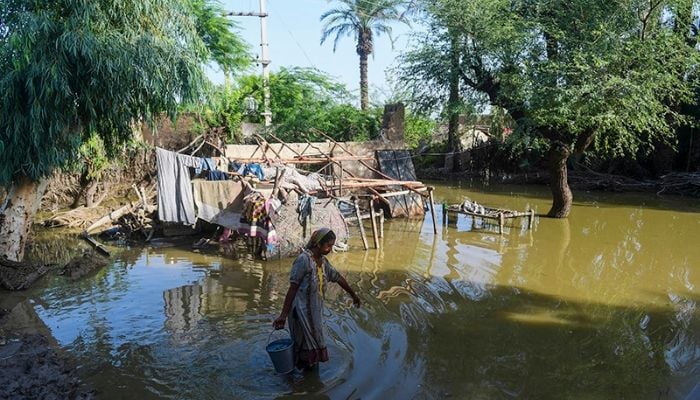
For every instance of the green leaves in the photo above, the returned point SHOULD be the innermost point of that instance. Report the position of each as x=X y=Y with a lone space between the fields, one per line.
x=617 y=70
x=301 y=100
x=217 y=32
x=70 y=67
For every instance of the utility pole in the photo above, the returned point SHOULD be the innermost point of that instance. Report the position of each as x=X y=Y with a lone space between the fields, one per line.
x=264 y=57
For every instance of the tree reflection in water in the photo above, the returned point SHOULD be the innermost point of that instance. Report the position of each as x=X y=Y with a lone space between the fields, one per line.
x=602 y=305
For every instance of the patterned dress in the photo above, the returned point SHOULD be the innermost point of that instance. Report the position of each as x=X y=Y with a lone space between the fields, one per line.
x=305 y=319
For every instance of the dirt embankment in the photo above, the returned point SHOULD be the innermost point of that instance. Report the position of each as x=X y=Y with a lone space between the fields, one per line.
x=31 y=369
x=21 y=275
x=31 y=366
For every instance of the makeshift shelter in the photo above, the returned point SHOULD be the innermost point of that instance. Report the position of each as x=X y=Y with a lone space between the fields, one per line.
x=279 y=192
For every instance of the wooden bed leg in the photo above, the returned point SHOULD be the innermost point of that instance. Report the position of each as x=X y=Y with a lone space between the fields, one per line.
x=359 y=222
x=374 y=223
x=432 y=208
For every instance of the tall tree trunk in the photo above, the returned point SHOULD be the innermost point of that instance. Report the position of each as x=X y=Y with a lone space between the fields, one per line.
x=364 y=92
x=558 y=181
x=453 y=101
x=17 y=214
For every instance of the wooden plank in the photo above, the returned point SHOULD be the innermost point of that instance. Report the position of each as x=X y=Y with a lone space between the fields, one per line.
x=402 y=192
x=98 y=246
x=305 y=160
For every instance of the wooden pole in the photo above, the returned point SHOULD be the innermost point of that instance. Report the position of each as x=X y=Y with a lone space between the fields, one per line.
x=263 y=146
x=371 y=168
x=111 y=217
x=444 y=214
x=265 y=143
x=432 y=208
x=374 y=223
x=99 y=247
x=333 y=185
x=381 y=223
x=340 y=180
x=531 y=219
x=352 y=176
x=276 y=186
x=284 y=144
x=501 y=221
x=359 y=222
x=305 y=160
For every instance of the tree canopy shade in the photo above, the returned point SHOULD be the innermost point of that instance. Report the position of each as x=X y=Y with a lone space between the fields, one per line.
x=72 y=67
x=362 y=19
x=575 y=74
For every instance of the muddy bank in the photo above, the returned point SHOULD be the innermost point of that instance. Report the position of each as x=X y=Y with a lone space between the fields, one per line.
x=31 y=369
x=20 y=275
x=31 y=366
x=84 y=265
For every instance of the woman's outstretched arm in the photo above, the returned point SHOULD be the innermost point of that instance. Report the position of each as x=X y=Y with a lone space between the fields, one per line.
x=344 y=284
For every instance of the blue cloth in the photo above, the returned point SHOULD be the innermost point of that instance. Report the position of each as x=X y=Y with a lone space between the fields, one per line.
x=215 y=175
x=248 y=169
x=234 y=166
x=254 y=169
x=305 y=208
x=206 y=164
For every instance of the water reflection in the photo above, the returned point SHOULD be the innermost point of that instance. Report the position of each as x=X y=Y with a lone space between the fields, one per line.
x=182 y=308
x=602 y=305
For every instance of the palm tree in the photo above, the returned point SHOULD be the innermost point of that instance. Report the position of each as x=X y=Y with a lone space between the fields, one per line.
x=362 y=19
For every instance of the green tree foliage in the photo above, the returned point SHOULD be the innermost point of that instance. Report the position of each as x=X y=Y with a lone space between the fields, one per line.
x=92 y=154
x=226 y=49
x=430 y=71
x=425 y=71
x=418 y=130
x=302 y=100
x=362 y=19
x=70 y=68
x=576 y=74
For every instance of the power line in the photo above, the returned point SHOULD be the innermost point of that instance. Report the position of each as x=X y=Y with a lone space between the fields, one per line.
x=296 y=41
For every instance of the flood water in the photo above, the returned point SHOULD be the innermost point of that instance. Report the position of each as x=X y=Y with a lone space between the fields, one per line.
x=603 y=305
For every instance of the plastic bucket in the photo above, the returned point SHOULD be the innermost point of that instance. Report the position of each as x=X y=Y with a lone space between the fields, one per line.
x=281 y=352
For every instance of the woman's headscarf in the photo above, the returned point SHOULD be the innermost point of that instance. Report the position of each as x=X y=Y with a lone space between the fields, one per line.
x=316 y=237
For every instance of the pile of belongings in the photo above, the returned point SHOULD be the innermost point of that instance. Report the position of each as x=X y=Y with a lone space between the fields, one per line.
x=473 y=207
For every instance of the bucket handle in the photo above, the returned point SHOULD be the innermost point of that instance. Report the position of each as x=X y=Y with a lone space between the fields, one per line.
x=276 y=330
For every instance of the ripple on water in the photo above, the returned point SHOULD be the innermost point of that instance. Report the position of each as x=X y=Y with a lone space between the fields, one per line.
x=601 y=297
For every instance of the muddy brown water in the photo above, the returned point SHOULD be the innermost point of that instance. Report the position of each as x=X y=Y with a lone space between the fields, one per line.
x=603 y=305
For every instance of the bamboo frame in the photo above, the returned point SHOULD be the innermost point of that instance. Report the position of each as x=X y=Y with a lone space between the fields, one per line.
x=500 y=216
x=342 y=180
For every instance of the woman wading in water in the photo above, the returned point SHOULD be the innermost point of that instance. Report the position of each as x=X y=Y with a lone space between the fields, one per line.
x=303 y=304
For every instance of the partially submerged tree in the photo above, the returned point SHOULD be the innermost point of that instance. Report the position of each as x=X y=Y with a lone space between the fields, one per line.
x=72 y=68
x=363 y=20
x=575 y=74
